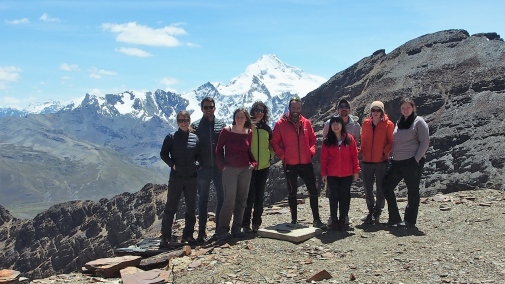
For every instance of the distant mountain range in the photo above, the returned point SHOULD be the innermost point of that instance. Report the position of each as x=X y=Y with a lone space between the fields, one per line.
x=99 y=146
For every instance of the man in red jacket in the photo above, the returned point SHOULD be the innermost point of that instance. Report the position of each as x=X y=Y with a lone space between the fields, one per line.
x=294 y=142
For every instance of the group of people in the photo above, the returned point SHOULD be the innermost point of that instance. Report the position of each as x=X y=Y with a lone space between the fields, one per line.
x=236 y=159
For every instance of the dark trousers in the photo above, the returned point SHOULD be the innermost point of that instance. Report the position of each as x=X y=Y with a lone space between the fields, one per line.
x=205 y=176
x=340 y=191
x=255 y=197
x=306 y=173
x=374 y=172
x=177 y=187
x=410 y=171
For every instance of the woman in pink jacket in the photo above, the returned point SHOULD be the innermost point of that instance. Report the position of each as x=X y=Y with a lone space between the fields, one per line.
x=339 y=168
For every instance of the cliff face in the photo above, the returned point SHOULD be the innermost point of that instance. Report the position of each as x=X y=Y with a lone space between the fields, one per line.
x=458 y=84
x=66 y=236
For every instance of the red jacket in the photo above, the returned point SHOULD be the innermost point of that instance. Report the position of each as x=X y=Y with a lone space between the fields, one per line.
x=377 y=144
x=294 y=143
x=340 y=161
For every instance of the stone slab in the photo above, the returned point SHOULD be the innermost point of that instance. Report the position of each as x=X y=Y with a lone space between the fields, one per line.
x=110 y=267
x=289 y=232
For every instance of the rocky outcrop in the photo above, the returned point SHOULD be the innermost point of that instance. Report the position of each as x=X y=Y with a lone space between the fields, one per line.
x=458 y=84
x=66 y=236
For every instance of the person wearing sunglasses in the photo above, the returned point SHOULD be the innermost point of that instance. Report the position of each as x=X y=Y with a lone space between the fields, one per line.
x=352 y=127
x=294 y=142
x=376 y=144
x=263 y=153
x=181 y=152
x=207 y=129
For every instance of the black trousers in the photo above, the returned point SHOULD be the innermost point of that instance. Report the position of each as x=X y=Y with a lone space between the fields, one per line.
x=410 y=171
x=306 y=173
x=340 y=191
x=177 y=187
x=255 y=197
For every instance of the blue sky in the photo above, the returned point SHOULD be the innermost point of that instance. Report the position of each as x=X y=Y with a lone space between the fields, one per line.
x=61 y=50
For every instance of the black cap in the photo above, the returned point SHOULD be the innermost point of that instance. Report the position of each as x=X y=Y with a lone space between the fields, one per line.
x=342 y=101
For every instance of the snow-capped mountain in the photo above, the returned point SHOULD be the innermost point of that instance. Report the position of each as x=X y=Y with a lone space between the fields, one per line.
x=268 y=79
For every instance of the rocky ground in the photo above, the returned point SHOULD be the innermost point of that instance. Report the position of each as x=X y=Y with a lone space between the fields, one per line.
x=460 y=239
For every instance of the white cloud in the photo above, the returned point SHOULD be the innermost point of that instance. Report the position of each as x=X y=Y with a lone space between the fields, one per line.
x=69 y=67
x=168 y=82
x=144 y=35
x=96 y=73
x=132 y=51
x=46 y=18
x=8 y=74
x=189 y=44
x=18 y=22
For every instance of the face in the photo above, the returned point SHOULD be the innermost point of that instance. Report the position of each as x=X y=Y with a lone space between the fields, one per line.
x=407 y=109
x=258 y=113
x=376 y=112
x=295 y=109
x=240 y=118
x=183 y=122
x=208 y=109
x=343 y=109
x=336 y=127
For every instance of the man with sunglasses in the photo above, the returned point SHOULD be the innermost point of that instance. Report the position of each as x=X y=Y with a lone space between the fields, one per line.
x=207 y=129
x=352 y=127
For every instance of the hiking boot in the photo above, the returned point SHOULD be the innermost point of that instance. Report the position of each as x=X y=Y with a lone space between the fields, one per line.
x=377 y=219
x=201 y=238
x=255 y=228
x=188 y=239
x=164 y=242
x=346 y=220
x=294 y=221
x=238 y=235
x=406 y=225
x=369 y=219
x=393 y=223
x=246 y=229
x=318 y=224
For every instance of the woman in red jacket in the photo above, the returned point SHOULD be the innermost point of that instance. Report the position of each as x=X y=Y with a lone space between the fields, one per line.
x=376 y=144
x=339 y=168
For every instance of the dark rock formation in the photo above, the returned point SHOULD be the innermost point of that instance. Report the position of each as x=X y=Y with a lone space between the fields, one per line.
x=458 y=84
x=67 y=235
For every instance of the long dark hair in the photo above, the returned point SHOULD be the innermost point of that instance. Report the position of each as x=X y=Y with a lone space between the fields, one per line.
x=266 y=113
x=331 y=138
x=248 y=122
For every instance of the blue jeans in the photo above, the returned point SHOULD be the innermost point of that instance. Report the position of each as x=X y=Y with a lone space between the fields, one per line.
x=205 y=176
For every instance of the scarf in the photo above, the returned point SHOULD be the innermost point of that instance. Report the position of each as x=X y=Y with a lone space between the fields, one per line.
x=403 y=123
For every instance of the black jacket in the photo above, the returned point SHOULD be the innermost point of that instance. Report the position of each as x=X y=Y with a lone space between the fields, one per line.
x=208 y=134
x=181 y=149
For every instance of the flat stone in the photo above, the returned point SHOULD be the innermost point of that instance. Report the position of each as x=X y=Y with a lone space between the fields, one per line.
x=320 y=275
x=110 y=267
x=9 y=276
x=133 y=275
x=289 y=232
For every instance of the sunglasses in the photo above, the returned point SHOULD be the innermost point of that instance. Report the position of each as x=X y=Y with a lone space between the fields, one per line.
x=208 y=107
x=376 y=110
x=181 y=120
x=344 y=107
x=259 y=110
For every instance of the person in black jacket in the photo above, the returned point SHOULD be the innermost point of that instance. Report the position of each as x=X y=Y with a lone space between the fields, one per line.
x=181 y=152
x=208 y=128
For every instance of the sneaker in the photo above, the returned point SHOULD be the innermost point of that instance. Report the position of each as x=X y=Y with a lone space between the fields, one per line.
x=246 y=229
x=318 y=224
x=188 y=239
x=255 y=228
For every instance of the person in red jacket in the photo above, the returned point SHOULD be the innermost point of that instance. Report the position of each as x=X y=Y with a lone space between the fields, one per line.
x=376 y=144
x=339 y=168
x=294 y=142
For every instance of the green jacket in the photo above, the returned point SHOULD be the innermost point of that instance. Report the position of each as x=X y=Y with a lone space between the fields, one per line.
x=260 y=145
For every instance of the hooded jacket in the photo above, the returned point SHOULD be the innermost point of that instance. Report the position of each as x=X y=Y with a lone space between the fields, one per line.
x=376 y=144
x=294 y=143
